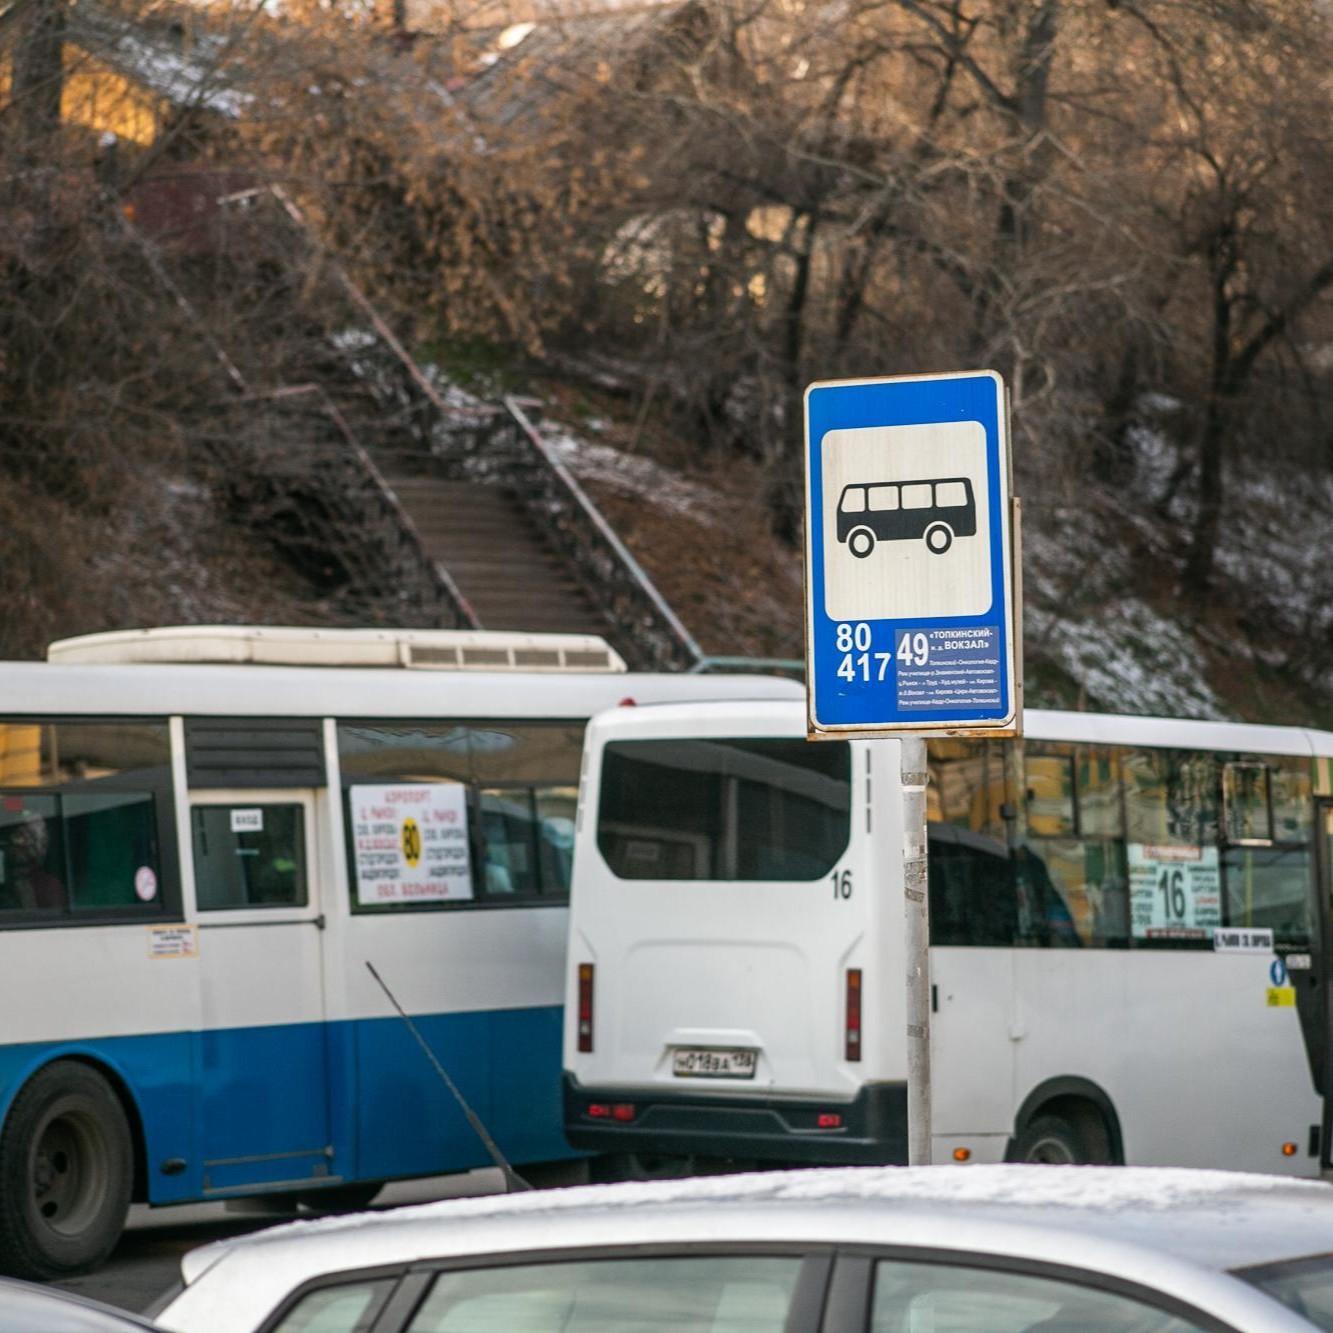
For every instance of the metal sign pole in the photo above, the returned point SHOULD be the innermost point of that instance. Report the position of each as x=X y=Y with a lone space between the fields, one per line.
x=916 y=905
x=911 y=625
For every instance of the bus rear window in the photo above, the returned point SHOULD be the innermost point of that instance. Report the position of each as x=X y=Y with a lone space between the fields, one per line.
x=724 y=809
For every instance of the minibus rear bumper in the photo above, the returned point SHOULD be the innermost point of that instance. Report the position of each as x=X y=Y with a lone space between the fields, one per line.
x=870 y=1129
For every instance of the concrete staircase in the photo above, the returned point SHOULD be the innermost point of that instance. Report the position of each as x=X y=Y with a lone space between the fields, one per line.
x=417 y=509
x=490 y=518
x=496 y=556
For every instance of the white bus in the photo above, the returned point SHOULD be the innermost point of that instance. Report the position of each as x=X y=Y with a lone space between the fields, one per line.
x=1129 y=926
x=200 y=850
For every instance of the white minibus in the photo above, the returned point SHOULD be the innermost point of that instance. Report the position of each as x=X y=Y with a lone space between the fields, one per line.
x=205 y=836
x=1129 y=923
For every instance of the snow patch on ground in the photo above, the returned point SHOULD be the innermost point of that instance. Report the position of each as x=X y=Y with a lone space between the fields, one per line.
x=1275 y=541
x=632 y=474
x=1155 y=459
x=1131 y=659
x=455 y=397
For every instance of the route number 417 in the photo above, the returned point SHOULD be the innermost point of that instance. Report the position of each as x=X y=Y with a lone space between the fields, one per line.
x=854 y=642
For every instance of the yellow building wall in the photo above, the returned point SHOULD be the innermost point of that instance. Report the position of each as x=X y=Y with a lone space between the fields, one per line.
x=20 y=754
x=104 y=101
x=101 y=100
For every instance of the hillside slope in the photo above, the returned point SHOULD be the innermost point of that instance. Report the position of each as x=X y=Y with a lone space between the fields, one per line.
x=1105 y=628
x=1104 y=625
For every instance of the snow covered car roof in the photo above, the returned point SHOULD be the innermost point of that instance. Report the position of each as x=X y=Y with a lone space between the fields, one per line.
x=1174 y=1231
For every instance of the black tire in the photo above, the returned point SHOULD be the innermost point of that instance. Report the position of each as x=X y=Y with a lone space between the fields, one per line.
x=618 y=1166
x=556 y=1175
x=867 y=535
x=66 y=1170
x=939 y=537
x=1050 y=1140
x=350 y=1198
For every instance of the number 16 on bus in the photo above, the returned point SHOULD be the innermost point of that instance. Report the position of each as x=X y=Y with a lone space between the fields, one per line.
x=910 y=568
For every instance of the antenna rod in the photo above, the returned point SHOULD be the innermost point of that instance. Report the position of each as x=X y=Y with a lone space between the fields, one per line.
x=513 y=1181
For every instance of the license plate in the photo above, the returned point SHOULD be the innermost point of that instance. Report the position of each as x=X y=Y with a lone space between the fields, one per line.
x=713 y=1062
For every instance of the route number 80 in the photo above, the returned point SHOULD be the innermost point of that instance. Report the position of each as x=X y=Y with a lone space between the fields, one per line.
x=851 y=637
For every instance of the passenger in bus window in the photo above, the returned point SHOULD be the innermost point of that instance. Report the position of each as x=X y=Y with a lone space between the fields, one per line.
x=1044 y=916
x=556 y=833
x=495 y=874
x=29 y=880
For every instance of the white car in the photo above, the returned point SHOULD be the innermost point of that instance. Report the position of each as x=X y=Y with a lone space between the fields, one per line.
x=26 y=1307
x=855 y=1250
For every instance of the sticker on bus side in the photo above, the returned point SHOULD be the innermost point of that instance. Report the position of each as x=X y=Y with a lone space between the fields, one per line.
x=172 y=942
x=410 y=843
x=1174 y=891
x=249 y=820
x=1254 y=940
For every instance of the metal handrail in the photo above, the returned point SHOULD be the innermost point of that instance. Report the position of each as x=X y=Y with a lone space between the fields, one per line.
x=596 y=531
x=432 y=585
x=464 y=616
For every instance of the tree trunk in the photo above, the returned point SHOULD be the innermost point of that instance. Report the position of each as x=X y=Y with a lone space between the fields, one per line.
x=786 y=493
x=39 y=78
x=1112 y=458
x=1027 y=106
x=1198 y=571
x=1223 y=259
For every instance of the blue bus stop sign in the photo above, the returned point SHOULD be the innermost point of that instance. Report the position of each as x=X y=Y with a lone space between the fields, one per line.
x=909 y=578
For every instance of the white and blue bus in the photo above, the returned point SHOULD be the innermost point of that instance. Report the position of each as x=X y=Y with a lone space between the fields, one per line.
x=1130 y=926
x=201 y=847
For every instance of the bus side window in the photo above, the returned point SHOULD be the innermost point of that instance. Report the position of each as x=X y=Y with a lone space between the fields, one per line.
x=255 y=861
x=973 y=893
x=85 y=813
x=1269 y=886
x=556 y=810
x=1070 y=863
x=32 y=858
x=1171 y=800
x=521 y=781
x=950 y=494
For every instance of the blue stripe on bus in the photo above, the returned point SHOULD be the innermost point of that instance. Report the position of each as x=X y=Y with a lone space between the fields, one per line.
x=227 y=1097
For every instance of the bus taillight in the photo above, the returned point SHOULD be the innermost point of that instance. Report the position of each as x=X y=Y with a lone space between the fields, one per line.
x=852 y=1033
x=585 y=1007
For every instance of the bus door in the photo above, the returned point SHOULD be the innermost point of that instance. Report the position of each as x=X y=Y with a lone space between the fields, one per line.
x=264 y=1114
x=724 y=903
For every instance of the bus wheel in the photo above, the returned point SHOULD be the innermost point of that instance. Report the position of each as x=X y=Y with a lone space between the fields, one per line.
x=939 y=537
x=1050 y=1140
x=860 y=542
x=66 y=1168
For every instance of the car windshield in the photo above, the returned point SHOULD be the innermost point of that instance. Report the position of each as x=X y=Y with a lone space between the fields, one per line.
x=1302 y=1285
